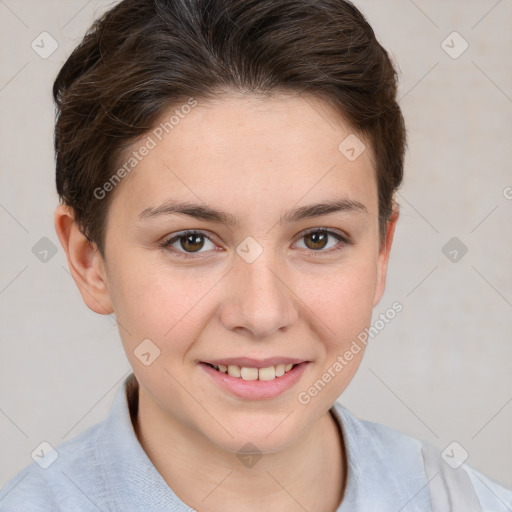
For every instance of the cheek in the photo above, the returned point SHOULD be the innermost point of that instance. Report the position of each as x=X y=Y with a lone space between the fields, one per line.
x=162 y=305
x=342 y=297
x=342 y=307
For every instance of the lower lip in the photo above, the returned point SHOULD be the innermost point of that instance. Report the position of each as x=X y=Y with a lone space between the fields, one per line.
x=256 y=389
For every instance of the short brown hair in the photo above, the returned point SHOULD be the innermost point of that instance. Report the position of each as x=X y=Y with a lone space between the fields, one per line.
x=143 y=57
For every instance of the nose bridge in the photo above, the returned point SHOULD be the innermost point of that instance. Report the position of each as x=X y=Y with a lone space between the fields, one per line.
x=259 y=300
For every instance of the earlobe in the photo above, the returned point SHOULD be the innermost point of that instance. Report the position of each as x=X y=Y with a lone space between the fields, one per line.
x=383 y=260
x=85 y=262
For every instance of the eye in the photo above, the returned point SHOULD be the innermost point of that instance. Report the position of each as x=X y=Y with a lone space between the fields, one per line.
x=318 y=239
x=187 y=243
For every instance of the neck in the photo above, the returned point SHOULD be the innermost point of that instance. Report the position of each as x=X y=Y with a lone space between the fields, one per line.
x=206 y=477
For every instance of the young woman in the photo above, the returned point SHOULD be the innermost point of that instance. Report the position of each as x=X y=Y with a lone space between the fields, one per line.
x=226 y=170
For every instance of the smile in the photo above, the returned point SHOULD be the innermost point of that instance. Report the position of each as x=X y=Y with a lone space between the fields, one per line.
x=249 y=373
x=255 y=382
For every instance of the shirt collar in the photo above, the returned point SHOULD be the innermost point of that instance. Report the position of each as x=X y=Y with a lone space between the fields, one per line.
x=133 y=481
x=384 y=467
x=379 y=462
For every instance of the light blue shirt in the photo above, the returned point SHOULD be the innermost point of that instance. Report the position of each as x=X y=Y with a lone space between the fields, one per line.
x=106 y=469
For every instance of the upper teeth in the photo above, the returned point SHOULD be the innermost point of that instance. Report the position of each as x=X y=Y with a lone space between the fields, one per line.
x=246 y=373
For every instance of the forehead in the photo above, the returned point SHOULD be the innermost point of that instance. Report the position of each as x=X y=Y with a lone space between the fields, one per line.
x=250 y=149
x=247 y=122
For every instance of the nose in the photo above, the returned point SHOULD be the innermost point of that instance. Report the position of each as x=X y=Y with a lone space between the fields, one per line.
x=259 y=300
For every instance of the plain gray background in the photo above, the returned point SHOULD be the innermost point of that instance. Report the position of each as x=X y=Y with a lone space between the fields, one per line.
x=441 y=370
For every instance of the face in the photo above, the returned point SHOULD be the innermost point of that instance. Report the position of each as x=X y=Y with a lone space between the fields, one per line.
x=263 y=281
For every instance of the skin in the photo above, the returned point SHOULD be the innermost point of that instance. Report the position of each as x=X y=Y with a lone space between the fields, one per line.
x=255 y=158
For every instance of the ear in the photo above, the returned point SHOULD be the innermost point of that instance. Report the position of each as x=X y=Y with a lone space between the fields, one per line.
x=85 y=262
x=385 y=248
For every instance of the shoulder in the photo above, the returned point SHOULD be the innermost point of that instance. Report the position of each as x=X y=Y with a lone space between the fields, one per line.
x=414 y=462
x=49 y=482
x=386 y=443
x=493 y=496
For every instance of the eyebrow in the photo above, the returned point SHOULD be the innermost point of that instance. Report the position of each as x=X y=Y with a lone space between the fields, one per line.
x=203 y=212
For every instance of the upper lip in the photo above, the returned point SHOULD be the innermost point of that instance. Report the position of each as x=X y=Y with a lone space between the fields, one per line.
x=250 y=362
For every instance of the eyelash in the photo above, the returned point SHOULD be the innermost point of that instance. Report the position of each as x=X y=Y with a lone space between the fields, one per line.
x=168 y=243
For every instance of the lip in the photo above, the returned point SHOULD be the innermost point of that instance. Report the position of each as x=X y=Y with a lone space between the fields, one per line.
x=255 y=389
x=250 y=362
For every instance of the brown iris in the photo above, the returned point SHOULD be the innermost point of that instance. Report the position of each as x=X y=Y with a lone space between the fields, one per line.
x=318 y=239
x=192 y=242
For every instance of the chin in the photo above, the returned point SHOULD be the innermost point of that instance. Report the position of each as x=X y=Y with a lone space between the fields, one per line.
x=268 y=432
